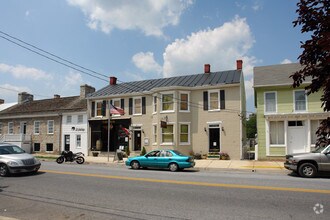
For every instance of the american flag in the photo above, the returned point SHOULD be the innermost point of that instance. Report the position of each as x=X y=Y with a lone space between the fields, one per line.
x=116 y=110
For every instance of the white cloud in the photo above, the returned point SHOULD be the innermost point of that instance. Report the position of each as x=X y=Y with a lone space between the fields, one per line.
x=27 y=13
x=220 y=47
x=73 y=79
x=23 y=72
x=146 y=62
x=149 y=16
x=10 y=92
x=286 y=61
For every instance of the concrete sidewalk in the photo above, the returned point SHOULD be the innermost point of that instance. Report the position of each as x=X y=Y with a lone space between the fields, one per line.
x=209 y=164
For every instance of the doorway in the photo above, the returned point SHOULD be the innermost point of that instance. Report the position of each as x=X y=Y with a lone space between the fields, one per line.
x=214 y=139
x=137 y=140
x=66 y=142
x=297 y=138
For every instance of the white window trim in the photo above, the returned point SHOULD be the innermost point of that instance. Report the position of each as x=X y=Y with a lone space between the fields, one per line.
x=184 y=123
x=153 y=134
x=154 y=105
x=48 y=127
x=80 y=122
x=285 y=135
x=67 y=119
x=294 y=101
x=12 y=127
x=188 y=101
x=168 y=143
x=34 y=127
x=96 y=115
x=161 y=104
x=78 y=147
x=135 y=98
x=209 y=100
x=266 y=112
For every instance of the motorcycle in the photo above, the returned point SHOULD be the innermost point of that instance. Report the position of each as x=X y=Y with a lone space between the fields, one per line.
x=69 y=156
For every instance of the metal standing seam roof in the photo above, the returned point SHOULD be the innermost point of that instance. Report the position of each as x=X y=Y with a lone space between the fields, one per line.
x=204 y=79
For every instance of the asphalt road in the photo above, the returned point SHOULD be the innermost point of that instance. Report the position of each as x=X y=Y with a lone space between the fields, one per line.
x=72 y=191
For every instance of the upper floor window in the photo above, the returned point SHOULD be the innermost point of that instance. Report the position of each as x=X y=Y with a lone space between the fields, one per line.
x=98 y=108
x=184 y=101
x=155 y=103
x=214 y=103
x=167 y=102
x=50 y=127
x=10 y=127
x=300 y=100
x=80 y=119
x=68 y=119
x=137 y=106
x=270 y=102
x=37 y=127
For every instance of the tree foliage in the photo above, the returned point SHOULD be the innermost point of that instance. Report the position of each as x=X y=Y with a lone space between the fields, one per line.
x=251 y=126
x=314 y=19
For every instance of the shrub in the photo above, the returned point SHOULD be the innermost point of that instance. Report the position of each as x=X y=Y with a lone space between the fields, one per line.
x=143 y=151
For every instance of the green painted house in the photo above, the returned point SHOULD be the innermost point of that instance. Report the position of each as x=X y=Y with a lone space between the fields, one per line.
x=287 y=118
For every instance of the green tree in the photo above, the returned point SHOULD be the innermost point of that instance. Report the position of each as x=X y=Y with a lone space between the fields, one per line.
x=314 y=19
x=251 y=126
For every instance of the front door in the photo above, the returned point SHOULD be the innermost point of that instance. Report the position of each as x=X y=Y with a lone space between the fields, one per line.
x=137 y=140
x=66 y=142
x=214 y=139
x=23 y=128
x=297 y=139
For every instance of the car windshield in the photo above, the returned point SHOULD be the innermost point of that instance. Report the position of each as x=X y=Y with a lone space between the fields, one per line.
x=11 y=149
x=320 y=149
x=178 y=153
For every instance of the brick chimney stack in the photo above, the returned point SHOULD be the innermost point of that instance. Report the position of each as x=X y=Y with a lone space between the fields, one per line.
x=56 y=96
x=2 y=101
x=85 y=90
x=24 y=97
x=113 y=80
x=239 y=64
x=207 y=68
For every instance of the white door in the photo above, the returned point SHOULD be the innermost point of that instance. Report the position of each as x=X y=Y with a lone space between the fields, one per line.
x=297 y=137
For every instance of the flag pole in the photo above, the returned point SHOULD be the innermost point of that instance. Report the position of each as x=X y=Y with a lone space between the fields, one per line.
x=109 y=118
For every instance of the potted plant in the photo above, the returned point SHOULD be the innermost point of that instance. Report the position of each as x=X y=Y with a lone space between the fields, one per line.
x=224 y=156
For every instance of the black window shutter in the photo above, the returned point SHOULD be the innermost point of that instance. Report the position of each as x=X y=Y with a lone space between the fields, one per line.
x=205 y=100
x=222 y=99
x=122 y=103
x=130 y=106
x=93 y=109
x=104 y=107
x=143 y=105
x=111 y=102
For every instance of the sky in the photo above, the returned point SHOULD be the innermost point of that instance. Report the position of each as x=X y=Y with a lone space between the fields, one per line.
x=136 y=40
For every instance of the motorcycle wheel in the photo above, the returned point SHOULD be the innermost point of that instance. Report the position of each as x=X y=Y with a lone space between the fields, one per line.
x=80 y=160
x=60 y=160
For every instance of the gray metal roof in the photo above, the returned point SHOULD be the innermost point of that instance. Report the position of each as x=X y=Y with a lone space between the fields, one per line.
x=275 y=74
x=204 y=79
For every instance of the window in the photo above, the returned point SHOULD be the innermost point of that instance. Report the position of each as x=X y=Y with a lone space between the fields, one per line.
x=50 y=127
x=78 y=141
x=167 y=102
x=36 y=147
x=167 y=134
x=10 y=127
x=154 y=134
x=295 y=123
x=0 y=128
x=49 y=147
x=155 y=103
x=184 y=133
x=214 y=103
x=300 y=100
x=137 y=106
x=80 y=119
x=270 y=102
x=37 y=127
x=116 y=103
x=98 y=107
x=68 y=119
x=184 y=101
x=314 y=126
x=276 y=132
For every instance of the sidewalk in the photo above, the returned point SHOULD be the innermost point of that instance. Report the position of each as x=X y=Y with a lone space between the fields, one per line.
x=210 y=164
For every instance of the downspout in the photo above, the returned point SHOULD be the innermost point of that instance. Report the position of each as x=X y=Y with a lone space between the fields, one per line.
x=60 y=135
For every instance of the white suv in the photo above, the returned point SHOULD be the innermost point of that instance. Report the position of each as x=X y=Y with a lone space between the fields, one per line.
x=13 y=159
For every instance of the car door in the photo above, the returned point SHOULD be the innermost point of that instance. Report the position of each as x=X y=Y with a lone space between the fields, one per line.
x=151 y=159
x=325 y=160
x=164 y=159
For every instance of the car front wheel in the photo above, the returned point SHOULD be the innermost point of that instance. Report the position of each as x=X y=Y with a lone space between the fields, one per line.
x=4 y=170
x=307 y=170
x=135 y=165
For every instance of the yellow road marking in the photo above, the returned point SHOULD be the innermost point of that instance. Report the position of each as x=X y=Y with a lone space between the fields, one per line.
x=237 y=186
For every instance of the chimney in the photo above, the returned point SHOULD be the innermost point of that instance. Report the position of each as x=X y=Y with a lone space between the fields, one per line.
x=85 y=90
x=113 y=80
x=56 y=96
x=239 y=64
x=24 y=97
x=2 y=101
x=207 y=68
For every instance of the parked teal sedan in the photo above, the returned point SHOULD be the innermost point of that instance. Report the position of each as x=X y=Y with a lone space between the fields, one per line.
x=171 y=159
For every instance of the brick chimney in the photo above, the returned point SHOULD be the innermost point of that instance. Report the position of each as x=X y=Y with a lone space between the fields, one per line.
x=24 y=97
x=56 y=96
x=239 y=64
x=207 y=68
x=2 y=101
x=113 y=80
x=85 y=90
